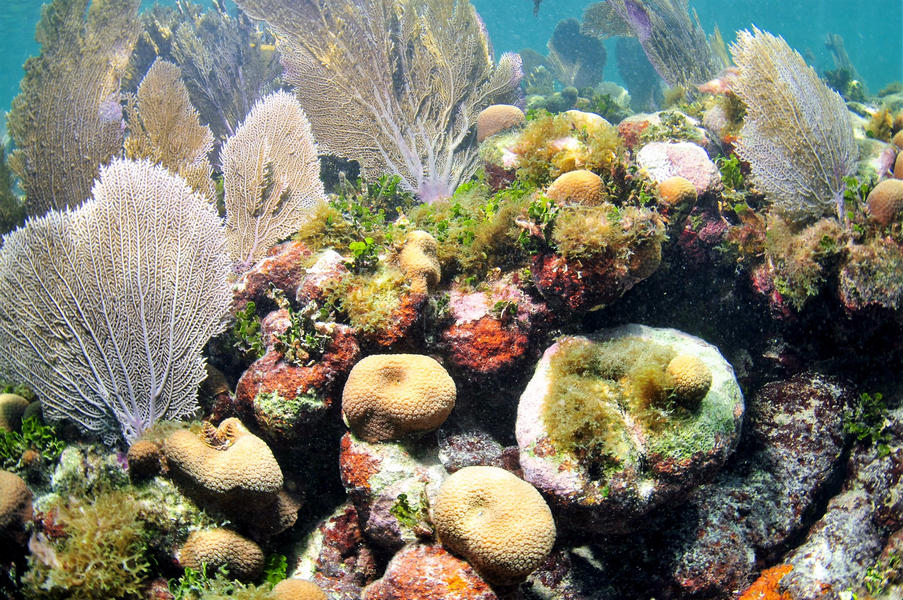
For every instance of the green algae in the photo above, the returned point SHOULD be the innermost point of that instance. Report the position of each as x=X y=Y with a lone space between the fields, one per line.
x=102 y=554
x=288 y=410
x=611 y=404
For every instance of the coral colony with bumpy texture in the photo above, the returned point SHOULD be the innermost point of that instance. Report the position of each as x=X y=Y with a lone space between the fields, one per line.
x=315 y=299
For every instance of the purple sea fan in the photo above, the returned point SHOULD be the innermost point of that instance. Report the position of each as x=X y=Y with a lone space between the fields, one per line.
x=797 y=135
x=638 y=19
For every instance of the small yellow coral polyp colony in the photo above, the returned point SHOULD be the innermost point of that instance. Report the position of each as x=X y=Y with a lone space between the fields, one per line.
x=581 y=186
x=690 y=379
x=388 y=396
x=498 y=522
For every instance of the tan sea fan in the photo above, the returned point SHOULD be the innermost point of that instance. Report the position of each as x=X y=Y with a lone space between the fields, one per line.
x=67 y=121
x=164 y=127
x=272 y=177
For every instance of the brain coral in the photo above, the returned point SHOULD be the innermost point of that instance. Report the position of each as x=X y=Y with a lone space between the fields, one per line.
x=690 y=378
x=224 y=461
x=12 y=407
x=677 y=190
x=582 y=186
x=885 y=201
x=15 y=509
x=297 y=589
x=390 y=395
x=496 y=118
x=219 y=548
x=419 y=261
x=495 y=520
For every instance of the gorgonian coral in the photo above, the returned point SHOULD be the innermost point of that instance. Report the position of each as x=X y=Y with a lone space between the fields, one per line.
x=67 y=121
x=110 y=305
x=394 y=84
x=797 y=135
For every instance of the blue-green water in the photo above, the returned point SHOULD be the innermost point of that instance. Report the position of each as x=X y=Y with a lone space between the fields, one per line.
x=871 y=30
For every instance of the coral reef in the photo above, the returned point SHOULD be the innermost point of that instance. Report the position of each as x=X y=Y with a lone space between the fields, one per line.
x=493 y=447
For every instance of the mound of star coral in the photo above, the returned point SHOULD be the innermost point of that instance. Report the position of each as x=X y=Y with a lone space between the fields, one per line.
x=388 y=396
x=221 y=548
x=602 y=427
x=498 y=522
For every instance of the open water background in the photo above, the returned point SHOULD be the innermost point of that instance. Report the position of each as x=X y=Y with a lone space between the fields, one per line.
x=872 y=31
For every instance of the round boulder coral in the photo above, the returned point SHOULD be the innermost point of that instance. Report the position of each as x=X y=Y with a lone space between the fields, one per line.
x=498 y=522
x=12 y=407
x=885 y=202
x=388 y=396
x=591 y=122
x=219 y=548
x=15 y=511
x=497 y=118
x=663 y=160
x=144 y=459
x=600 y=434
x=581 y=186
x=690 y=379
x=676 y=191
x=297 y=589
x=419 y=261
x=226 y=463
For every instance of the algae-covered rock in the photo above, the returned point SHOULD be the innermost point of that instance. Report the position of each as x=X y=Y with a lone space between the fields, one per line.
x=391 y=485
x=603 y=430
x=336 y=557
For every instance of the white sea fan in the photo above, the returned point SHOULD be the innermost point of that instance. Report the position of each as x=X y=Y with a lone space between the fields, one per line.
x=797 y=135
x=107 y=308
